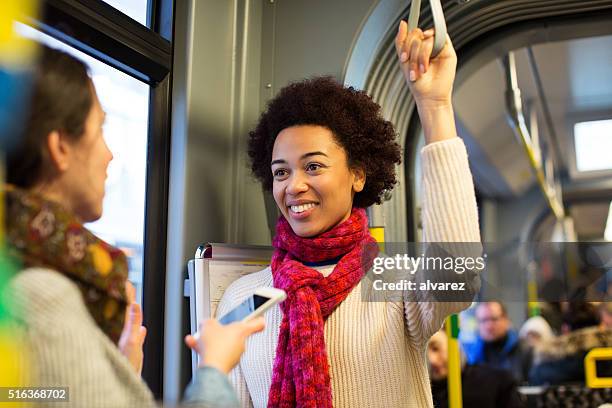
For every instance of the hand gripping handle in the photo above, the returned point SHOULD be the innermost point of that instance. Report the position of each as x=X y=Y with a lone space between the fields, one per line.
x=439 y=22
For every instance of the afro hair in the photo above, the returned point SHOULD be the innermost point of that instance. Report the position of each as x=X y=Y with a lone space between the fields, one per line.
x=355 y=121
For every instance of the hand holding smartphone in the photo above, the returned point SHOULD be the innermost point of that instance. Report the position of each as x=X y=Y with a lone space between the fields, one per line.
x=254 y=306
x=221 y=346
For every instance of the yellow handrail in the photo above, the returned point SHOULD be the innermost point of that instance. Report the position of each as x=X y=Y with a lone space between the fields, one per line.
x=590 y=369
x=455 y=397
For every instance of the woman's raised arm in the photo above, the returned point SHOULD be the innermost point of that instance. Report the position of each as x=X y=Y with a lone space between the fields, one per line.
x=449 y=207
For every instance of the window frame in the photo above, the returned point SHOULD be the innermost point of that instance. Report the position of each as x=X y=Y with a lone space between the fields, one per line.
x=145 y=53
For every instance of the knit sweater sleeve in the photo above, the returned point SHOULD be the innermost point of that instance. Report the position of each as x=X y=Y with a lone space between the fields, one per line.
x=67 y=349
x=449 y=215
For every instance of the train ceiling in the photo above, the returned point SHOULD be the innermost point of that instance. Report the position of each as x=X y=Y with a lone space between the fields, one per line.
x=577 y=85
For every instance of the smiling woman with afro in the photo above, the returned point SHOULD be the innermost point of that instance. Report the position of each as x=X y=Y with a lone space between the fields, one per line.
x=326 y=154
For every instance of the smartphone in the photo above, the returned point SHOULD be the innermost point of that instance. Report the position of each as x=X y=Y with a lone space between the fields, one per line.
x=254 y=306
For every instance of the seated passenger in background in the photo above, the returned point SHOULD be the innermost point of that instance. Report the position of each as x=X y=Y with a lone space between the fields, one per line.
x=481 y=386
x=605 y=315
x=553 y=314
x=535 y=330
x=561 y=359
x=81 y=327
x=497 y=344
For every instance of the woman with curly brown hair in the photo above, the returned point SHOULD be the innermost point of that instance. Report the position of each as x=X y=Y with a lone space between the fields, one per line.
x=327 y=154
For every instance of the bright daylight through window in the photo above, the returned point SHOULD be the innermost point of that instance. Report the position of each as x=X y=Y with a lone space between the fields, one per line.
x=593 y=143
x=136 y=9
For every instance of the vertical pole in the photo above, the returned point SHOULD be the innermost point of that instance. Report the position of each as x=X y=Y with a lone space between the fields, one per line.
x=376 y=219
x=455 y=398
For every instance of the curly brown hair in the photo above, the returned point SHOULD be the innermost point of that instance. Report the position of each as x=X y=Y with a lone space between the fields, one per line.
x=352 y=116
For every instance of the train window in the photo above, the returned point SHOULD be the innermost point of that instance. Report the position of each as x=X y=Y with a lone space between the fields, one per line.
x=126 y=102
x=593 y=142
x=137 y=9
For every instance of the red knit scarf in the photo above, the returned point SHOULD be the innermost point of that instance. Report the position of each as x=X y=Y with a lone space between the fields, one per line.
x=301 y=370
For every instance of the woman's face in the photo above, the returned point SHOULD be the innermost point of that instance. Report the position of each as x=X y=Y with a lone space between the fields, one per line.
x=85 y=175
x=313 y=185
x=437 y=354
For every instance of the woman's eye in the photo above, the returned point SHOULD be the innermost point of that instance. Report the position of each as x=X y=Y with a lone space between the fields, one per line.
x=279 y=173
x=313 y=166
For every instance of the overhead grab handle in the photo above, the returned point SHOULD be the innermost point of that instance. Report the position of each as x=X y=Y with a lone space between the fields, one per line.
x=439 y=22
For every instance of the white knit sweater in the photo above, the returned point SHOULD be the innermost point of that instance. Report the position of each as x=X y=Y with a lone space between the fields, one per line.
x=67 y=349
x=376 y=350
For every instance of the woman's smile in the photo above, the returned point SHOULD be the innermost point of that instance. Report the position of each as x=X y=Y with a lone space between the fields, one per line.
x=302 y=211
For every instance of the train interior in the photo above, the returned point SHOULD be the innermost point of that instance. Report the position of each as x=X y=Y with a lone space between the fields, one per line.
x=533 y=104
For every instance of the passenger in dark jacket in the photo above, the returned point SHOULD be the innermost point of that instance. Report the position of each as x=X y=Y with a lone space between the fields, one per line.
x=497 y=344
x=561 y=360
x=481 y=386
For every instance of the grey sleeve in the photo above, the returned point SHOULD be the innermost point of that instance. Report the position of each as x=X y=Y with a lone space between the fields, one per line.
x=211 y=388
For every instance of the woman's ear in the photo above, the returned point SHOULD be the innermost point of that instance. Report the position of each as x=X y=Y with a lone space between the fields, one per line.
x=359 y=179
x=59 y=151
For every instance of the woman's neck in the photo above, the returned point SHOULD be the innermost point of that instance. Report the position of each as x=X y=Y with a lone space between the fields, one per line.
x=52 y=192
